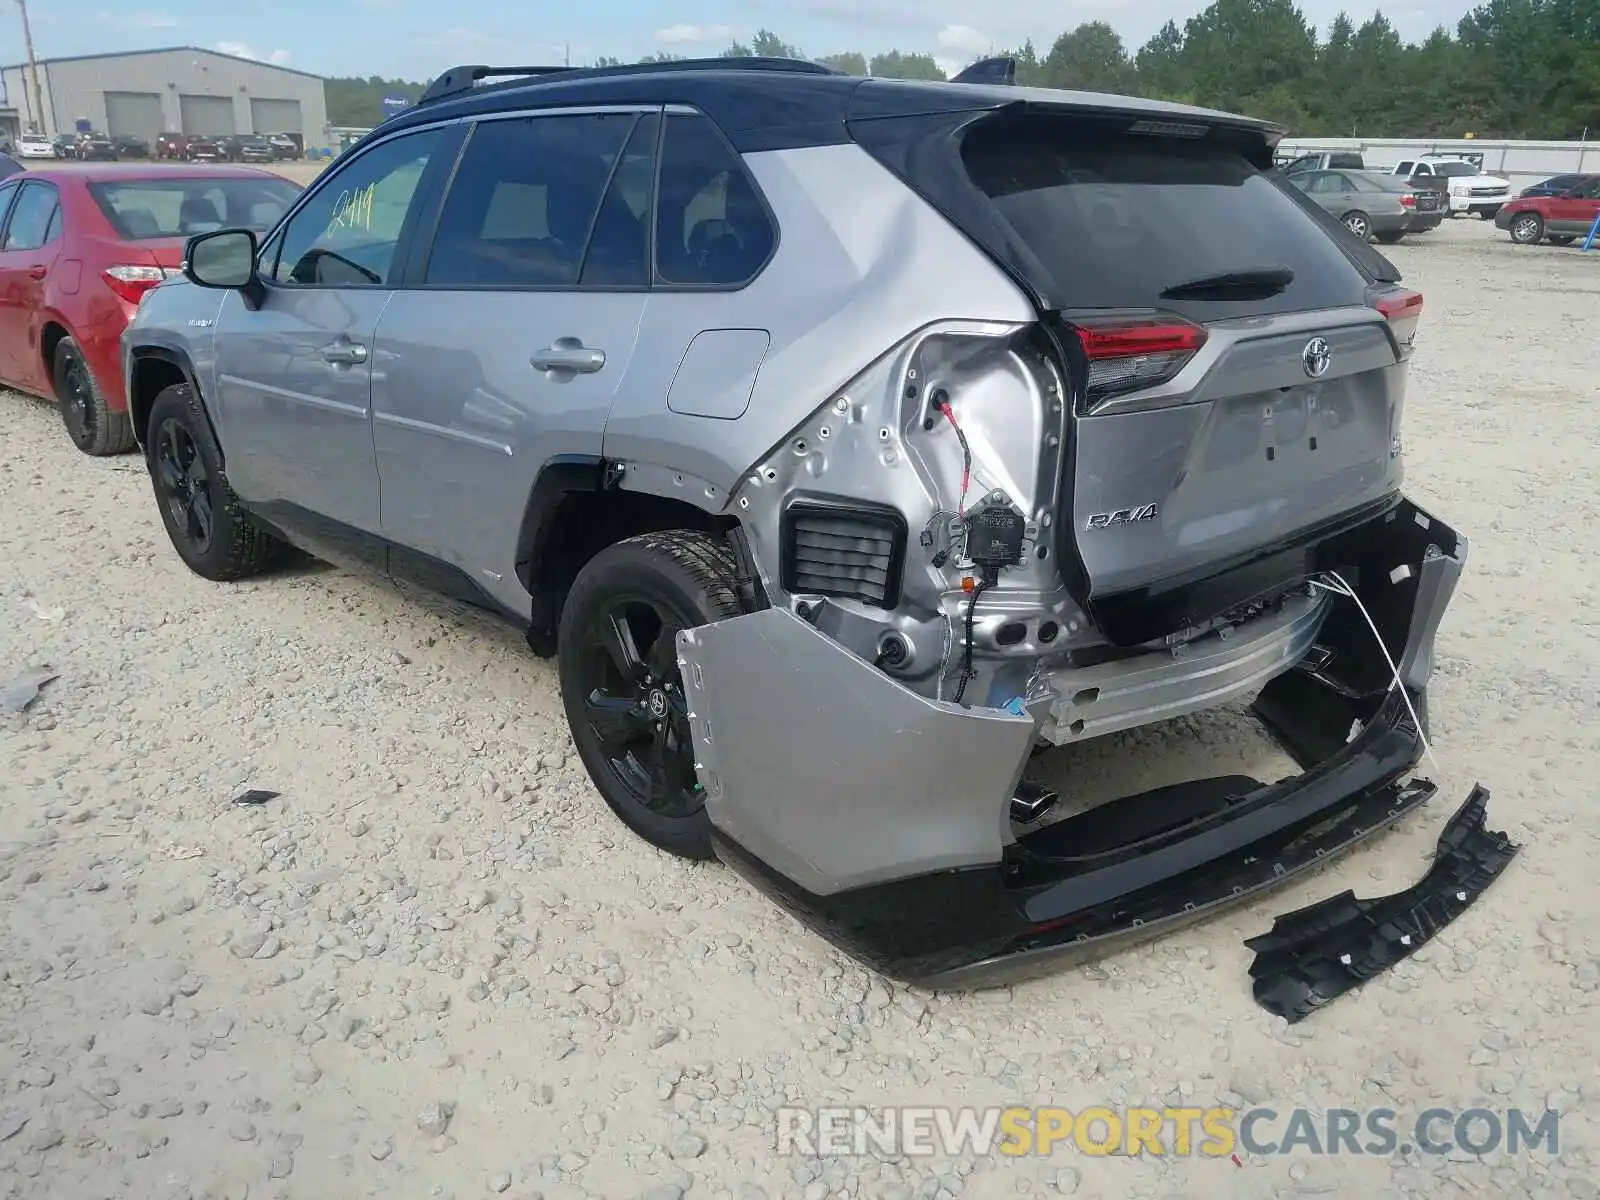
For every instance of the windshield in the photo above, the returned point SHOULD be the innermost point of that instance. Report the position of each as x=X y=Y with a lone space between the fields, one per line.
x=165 y=208
x=1454 y=169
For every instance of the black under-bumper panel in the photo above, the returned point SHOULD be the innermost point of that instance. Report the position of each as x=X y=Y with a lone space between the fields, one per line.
x=1326 y=949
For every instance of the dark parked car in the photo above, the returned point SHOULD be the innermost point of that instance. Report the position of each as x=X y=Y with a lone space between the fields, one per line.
x=205 y=149
x=1556 y=185
x=1372 y=205
x=172 y=145
x=251 y=150
x=285 y=146
x=96 y=147
x=129 y=146
x=66 y=145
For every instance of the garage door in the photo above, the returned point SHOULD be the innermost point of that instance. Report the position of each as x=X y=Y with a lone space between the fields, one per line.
x=134 y=114
x=208 y=116
x=275 y=116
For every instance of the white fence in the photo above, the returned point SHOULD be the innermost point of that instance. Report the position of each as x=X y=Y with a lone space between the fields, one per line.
x=1520 y=162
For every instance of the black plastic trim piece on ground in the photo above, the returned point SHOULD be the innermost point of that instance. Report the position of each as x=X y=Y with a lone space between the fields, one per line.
x=1320 y=952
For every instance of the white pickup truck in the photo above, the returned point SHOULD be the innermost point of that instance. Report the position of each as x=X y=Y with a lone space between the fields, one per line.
x=1469 y=189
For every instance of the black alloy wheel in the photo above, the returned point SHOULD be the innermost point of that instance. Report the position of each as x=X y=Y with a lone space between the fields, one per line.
x=185 y=485
x=635 y=706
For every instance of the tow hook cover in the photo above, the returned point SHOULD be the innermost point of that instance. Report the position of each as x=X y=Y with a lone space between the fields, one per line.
x=1319 y=952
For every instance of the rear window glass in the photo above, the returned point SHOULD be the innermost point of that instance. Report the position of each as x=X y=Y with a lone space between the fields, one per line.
x=1114 y=221
x=165 y=208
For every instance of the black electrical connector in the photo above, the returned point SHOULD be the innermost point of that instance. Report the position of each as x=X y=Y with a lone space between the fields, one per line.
x=995 y=534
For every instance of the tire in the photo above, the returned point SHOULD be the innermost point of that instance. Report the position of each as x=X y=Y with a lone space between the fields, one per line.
x=623 y=695
x=1389 y=239
x=1561 y=239
x=208 y=526
x=1358 y=223
x=1527 y=229
x=91 y=423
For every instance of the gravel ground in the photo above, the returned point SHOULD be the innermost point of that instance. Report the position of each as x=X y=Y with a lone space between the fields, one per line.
x=436 y=965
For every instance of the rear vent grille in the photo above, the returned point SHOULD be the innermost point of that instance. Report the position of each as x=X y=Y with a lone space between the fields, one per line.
x=853 y=552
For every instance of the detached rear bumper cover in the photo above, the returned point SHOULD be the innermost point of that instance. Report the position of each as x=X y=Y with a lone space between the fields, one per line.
x=881 y=818
x=1320 y=952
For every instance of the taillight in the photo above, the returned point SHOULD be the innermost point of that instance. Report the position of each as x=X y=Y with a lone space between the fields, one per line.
x=1128 y=354
x=132 y=282
x=1401 y=307
x=1408 y=201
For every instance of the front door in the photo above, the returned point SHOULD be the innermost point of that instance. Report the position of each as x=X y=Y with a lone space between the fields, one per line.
x=28 y=252
x=512 y=342
x=293 y=378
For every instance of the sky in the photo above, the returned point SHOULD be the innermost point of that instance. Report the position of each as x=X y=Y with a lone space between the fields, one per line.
x=415 y=39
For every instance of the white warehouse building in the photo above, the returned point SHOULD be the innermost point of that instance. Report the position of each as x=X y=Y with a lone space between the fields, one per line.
x=144 y=93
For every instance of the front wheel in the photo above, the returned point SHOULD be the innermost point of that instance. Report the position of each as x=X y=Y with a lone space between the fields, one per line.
x=1359 y=224
x=208 y=527
x=1527 y=229
x=617 y=659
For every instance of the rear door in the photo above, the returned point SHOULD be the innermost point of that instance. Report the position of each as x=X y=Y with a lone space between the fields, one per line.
x=514 y=331
x=29 y=248
x=1239 y=389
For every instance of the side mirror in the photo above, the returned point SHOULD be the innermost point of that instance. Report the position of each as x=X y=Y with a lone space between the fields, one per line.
x=225 y=258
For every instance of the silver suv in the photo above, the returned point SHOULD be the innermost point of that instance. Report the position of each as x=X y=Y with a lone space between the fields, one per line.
x=847 y=441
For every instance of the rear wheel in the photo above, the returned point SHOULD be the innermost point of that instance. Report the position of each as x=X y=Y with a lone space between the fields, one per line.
x=620 y=684
x=1359 y=224
x=209 y=528
x=91 y=423
x=1527 y=229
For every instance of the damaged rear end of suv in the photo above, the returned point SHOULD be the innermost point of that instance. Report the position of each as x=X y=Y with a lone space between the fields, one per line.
x=1174 y=483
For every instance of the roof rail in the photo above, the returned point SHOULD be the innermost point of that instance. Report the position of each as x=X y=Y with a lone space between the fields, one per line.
x=1002 y=70
x=462 y=79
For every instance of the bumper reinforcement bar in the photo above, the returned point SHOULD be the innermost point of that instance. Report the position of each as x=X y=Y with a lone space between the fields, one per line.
x=1319 y=952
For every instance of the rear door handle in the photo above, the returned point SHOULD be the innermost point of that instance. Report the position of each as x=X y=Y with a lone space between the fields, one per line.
x=570 y=355
x=345 y=352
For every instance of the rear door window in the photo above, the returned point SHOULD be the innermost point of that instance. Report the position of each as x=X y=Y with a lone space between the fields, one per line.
x=1116 y=221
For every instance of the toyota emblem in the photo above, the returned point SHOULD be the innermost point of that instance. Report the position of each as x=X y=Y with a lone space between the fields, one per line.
x=1316 y=357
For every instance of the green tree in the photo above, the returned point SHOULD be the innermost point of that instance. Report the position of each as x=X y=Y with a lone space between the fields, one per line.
x=895 y=65
x=1090 y=58
x=851 y=62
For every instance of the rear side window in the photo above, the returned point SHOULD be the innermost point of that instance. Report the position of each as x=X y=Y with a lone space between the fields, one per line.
x=524 y=203
x=1117 y=221
x=712 y=229
x=165 y=208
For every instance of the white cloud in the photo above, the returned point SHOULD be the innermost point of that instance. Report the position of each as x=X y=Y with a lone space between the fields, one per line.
x=684 y=34
x=241 y=50
x=965 y=40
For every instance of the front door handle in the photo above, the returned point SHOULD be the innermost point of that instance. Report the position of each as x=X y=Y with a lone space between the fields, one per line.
x=345 y=352
x=569 y=356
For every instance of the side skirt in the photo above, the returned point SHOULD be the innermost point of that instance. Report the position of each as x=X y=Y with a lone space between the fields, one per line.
x=369 y=555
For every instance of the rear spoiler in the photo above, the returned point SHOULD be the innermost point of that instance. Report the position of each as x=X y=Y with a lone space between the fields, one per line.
x=1001 y=70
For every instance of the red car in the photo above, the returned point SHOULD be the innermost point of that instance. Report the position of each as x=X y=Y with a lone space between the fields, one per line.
x=79 y=248
x=1561 y=219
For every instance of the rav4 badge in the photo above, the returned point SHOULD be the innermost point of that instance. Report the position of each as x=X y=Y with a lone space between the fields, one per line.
x=1123 y=516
